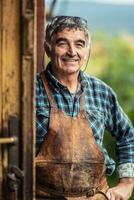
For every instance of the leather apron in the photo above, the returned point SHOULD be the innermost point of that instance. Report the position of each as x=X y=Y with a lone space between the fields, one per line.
x=70 y=164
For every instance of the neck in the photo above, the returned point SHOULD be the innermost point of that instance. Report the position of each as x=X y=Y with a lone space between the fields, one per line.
x=70 y=81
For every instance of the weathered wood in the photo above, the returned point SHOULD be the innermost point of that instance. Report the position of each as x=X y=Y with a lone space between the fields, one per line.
x=28 y=74
x=40 y=32
x=0 y=97
x=18 y=63
x=9 y=73
x=10 y=59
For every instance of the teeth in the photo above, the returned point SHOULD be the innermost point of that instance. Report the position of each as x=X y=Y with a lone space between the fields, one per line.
x=70 y=60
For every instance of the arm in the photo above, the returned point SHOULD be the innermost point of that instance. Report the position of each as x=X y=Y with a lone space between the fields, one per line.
x=42 y=113
x=121 y=128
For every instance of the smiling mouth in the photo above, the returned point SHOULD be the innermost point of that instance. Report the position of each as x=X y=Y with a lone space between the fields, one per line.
x=70 y=60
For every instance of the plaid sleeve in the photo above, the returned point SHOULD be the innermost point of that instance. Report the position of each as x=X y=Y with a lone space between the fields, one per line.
x=121 y=128
x=42 y=113
x=126 y=170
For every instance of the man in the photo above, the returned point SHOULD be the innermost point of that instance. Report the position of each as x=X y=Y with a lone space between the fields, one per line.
x=73 y=111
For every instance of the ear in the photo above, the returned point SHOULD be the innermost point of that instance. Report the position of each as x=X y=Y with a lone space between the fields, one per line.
x=47 y=49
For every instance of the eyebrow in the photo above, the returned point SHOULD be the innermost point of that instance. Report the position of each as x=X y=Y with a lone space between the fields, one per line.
x=61 y=39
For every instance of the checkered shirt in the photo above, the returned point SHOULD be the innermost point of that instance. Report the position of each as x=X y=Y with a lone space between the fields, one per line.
x=103 y=112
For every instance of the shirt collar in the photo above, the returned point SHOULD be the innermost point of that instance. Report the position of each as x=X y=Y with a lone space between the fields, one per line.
x=56 y=85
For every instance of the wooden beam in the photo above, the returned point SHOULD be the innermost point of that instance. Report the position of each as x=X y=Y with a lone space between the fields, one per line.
x=1 y=168
x=40 y=32
x=9 y=74
x=28 y=98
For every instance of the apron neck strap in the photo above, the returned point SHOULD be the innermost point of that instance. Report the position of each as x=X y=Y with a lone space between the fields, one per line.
x=82 y=102
x=48 y=89
x=51 y=97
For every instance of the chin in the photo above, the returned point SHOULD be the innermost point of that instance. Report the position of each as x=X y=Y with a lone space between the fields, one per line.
x=72 y=71
x=72 y=68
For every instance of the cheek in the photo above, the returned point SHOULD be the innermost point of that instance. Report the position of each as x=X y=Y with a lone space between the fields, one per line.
x=58 y=54
x=84 y=56
x=55 y=55
x=59 y=51
x=56 y=58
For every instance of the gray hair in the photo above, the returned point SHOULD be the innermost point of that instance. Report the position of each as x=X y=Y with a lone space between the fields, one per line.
x=59 y=23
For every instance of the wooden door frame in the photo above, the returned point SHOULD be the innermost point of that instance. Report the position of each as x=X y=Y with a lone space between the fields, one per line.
x=21 y=38
x=34 y=16
x=10 y=73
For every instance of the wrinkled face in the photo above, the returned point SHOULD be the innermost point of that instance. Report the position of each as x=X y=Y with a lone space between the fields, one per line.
x=69 y=51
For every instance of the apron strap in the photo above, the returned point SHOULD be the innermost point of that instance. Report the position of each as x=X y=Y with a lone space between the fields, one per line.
x=48 y=90
x=51 y=97
x=82 y=102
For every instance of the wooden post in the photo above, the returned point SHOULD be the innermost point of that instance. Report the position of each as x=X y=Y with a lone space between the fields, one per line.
x=10 y=104
x=28 y=98
x=40 y=32
x=22 y=25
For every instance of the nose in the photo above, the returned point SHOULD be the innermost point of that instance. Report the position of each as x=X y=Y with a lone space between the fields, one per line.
x=72 y=50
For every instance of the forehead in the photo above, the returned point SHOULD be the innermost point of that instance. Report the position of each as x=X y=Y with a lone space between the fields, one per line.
x=70 y=35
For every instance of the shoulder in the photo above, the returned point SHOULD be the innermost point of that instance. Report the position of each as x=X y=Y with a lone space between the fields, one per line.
x=94 y=81
x=39 y=82
x=98 y=85
x=38 y=78
x=39 y=85
x=41 y=96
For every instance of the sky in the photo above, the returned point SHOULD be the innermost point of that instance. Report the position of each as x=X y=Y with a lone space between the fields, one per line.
x=107 y=1
x=112 y=17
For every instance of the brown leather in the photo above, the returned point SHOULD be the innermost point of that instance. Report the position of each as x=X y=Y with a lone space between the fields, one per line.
x=103 y=187
x=70 y=163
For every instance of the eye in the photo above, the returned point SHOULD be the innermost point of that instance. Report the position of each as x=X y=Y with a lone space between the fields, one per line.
x=80 y=45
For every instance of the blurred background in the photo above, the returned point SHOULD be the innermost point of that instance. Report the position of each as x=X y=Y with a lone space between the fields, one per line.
x=111 y=23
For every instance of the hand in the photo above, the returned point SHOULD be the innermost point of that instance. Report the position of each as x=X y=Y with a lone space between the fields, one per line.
x=122 y=191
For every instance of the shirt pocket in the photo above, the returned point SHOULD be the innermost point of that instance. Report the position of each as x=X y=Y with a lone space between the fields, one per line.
x=97 y=123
